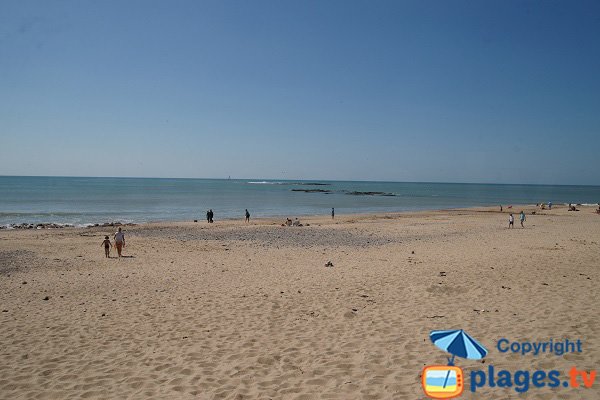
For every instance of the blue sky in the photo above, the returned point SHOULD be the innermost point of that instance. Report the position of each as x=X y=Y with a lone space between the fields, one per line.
x=448 y=91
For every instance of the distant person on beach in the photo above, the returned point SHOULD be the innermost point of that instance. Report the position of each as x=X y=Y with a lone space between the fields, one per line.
x=511 y=221
x=119 y=241
x=500 y=207
x=247 y=216
x=549 y=205
x=107 y=246
x=522 y=218
x=211 y=216
x=332 y=213
x=208 y=216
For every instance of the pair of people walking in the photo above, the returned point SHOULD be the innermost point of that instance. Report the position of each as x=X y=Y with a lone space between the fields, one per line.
x=119 y=237
x=511 y=220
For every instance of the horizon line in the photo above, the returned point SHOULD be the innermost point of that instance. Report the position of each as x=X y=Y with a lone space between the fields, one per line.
x=292 y=180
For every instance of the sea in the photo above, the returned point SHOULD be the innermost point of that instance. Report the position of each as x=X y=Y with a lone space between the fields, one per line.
x=85 y=201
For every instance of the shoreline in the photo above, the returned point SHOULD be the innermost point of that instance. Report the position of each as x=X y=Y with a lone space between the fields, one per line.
x=53 y=225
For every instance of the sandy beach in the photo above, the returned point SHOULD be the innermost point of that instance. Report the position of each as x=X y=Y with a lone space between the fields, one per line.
x=249 y=311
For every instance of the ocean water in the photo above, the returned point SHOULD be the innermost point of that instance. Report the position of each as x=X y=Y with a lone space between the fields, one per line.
x=82 y=201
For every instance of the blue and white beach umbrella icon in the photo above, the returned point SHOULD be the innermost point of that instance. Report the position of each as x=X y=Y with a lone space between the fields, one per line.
x=459 y=344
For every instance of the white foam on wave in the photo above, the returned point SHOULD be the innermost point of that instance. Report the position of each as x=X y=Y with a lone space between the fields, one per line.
x=266 y=183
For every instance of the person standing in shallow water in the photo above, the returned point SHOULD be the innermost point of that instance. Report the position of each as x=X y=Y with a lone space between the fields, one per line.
x=332 y=213
x=247 y=216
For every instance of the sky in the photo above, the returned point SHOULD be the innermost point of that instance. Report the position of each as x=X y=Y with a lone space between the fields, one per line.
x=433 y=91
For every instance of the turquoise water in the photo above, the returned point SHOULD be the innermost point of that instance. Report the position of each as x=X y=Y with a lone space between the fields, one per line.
x=83 y=201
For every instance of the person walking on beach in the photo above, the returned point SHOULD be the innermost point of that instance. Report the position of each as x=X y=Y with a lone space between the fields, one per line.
x=332 y=213
x=511 y=221
x=522 y=218
x=107 y=246
x=208 y=216
x=211 y=216
x=247 y=216
x=119 y=241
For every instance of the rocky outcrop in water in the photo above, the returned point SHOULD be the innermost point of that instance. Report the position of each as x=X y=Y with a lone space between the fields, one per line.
x=312 y=190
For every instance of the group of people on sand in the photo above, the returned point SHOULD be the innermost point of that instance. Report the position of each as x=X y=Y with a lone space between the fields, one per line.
x=119 y=238
x=296 y=221
x=210 y=218
x=289 y=222
x=511 y=218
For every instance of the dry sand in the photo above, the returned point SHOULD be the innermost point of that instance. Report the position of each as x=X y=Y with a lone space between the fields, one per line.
x=249 y=311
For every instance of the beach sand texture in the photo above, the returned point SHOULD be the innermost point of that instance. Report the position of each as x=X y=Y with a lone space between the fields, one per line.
x=249 y=311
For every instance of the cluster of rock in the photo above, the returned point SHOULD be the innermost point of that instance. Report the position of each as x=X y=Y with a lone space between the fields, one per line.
x=311 y=190
x=37 y=226
x=106 y=224
x=352 y=193
x=356 y=193
x=48 y=225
